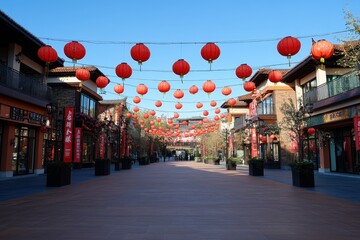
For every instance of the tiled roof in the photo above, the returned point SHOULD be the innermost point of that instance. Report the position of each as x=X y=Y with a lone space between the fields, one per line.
x=239 y=103
x=71 y=69
x=112 y=102
x=262 y=75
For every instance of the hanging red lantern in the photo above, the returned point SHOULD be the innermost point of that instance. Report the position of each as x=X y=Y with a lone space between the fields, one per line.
x=178 y=105
x=193 y=89
x=311 y=131
x=119 y=89
x=136 y=99
x=176 y=115
x=209 y=87
x=294 y=147
x=142 y=89
x=243 y=71
x=82 y=74
x=102 y=82
x=205 y=113
x=135 y=116
x=178 y=94
x=47 y=54
x=158 y=119
x=158 y=103
x=74 y=50
x=216 y=118
x=322 y=50
x=217 y=111
x=210 y=52
x=231 y=102
x=275 y=76
x=226 y=91
x=164 y=87
x=136 y=109
x=264 y=139
x=146 y=116
x=199 y=105
x=128 y=115
x=152 y=112
x=213 y=103
x=140 y=53
x=181 y=68
x=249 y=86
x=288 y=46
x=123 y=71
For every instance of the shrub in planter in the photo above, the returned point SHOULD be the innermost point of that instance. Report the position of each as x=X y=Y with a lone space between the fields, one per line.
x=102 y=167
x=58 y=174
x=126 y=163
x=231 y=163
x=303 y=174
x=256 y=167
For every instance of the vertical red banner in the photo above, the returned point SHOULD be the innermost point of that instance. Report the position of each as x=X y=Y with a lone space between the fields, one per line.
x=77 y=146
x=254 y=146
x=357 y=132
x=102 y=145
x=68 y=134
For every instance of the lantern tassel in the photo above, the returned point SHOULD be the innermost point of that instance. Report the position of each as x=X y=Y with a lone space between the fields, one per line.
x=288 y=57
x=181 y=77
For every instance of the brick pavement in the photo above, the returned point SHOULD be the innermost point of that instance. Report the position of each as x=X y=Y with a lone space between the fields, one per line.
x=181 y=200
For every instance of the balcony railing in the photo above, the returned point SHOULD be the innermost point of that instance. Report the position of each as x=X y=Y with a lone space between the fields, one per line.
x=24 y=83
x=339 y=85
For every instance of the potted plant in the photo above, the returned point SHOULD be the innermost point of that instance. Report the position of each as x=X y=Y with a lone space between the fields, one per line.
x=231 y=163
x=302 y=174
x=126 y=162
x=102 y=167
x=256 y=166
x=58 y=174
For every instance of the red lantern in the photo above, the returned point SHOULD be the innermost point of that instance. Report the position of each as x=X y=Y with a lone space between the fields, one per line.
x=210 y=52
x=216 y=118
x=311 y=131
x=74 y=50
x=123 y=71
x=209 y=87
x=82 y=74
x=322 y=50
x=184 y=123
x=136 y=100
x=140 y=53
x=128 y=115
x=47 y=54
x=118 y=88
x=135 y=116
x=176 y=115
x=146 y=116
x=152 y=112
x=275 y=76
x=181 y=68
x=164 y=87
x=231 y=102
x=264 y=139
x=249 y=86
x=136 y=109
x=178 y=105
x=158 y=103
x=199 y=105
x=158 y=119
x=213 y=103
x=217 y=111
x=293 y=147
x=142 y=89
x=178 y=94
x=288 y=46
x=193 y=89
x=243 y=71
x=226 y=90
x=205 y=113
x=102 y=82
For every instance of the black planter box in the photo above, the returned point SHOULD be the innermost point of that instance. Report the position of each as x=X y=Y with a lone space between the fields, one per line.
x=58 y=174
x=143 y=161
x=303 y=178
x=102 y=167
x=126 y=163
x=256 y=169
x=230 y=166
x=117 y=165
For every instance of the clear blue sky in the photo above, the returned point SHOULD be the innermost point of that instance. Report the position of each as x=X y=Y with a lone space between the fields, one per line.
x=255 y=26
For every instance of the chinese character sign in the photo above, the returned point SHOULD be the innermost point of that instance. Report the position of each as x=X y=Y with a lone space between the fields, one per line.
x=102 y=145
x=357 y=132
x=254 y=147
x=77 y=145
x=68 y=134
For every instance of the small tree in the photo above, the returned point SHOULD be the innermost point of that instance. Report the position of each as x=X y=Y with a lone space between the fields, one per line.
x=293 y=122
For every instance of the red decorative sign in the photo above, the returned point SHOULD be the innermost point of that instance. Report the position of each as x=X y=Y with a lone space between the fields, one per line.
x=68 y=134
x=254 y=146
x=357 y=132
x=77 y=145
x=252 y=108
x=102 y=145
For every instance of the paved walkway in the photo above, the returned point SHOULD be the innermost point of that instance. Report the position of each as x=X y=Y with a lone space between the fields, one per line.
x=183 y=200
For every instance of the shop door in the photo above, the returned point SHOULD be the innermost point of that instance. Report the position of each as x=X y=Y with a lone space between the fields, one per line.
x=344 y=151
x=23 y=151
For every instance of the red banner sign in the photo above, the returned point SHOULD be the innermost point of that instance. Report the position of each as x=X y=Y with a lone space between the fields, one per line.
x=252 y=108
x=68 y=134
x=254 y=145
x=102 y=145
x=77 y=145
x=357 y=132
